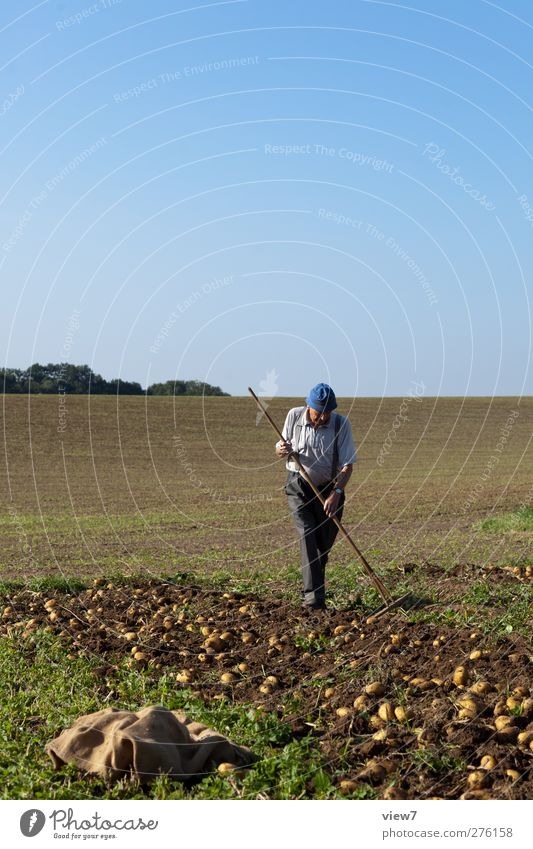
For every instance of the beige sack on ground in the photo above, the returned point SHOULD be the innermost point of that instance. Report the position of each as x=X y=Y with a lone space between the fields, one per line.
x=114 y=743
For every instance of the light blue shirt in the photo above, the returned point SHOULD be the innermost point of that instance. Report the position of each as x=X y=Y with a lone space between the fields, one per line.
x=315 y=446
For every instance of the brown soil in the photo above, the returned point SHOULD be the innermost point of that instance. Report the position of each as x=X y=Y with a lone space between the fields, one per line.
x=319 y=663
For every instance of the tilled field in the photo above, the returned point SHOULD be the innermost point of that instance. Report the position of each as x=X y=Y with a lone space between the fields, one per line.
x=410 y=708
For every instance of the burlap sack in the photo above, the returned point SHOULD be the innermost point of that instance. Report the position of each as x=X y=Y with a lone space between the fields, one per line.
x=113 y=743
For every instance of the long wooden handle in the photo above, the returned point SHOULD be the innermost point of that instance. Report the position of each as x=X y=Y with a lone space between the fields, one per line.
x=378 y=583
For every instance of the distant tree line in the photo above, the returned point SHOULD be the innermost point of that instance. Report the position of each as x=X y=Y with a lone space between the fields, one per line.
x=57 y=378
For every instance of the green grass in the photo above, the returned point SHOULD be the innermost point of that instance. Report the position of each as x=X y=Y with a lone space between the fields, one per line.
x=519 y=520
x=437 y=760
x=42 y=692
x=489 y=607
x=65 y=522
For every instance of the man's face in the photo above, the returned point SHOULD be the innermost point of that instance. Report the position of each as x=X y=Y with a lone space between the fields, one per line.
x=317 y=418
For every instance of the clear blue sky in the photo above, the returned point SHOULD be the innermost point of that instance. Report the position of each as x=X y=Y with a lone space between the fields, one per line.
x=317 y=191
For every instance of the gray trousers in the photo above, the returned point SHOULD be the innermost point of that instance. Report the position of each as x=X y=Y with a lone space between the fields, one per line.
x=316 y=531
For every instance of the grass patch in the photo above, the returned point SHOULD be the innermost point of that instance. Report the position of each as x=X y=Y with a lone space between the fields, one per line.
x=43 y=583
x=493 y=609
x=42 y=692
x=519 y=520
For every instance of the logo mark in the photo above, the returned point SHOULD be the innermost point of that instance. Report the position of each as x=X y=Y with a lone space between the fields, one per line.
x=32 y=822
x=268 y=388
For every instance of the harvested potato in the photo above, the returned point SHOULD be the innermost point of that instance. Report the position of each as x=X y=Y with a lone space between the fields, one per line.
x=502 y=721
x=481 y=688
x=421 y=683
x=348 y=786
x=226 y=636
x=464 y=713
x=380 y=735
x=477 y=778
x=500 y=708
x=468 y=707
x=525 y=738
x=227 y=677
x=374 y=773
x=227 y=769
x=513 y=773
x=214 y=642
x=527 y=708
x=386 y=712
x=329 y=692
x=184 y=677
x=140 y=656
x=393 y=792
x=460 y=676
x=375 y=688
x=362 y=702
x=402 y=713
x=520 y=692
x=343 y=712
x=487 y=762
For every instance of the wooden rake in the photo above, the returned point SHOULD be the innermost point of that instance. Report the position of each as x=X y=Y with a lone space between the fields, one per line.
x=390 y=602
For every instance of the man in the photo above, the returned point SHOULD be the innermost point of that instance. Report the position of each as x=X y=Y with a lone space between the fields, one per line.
x=324 y=444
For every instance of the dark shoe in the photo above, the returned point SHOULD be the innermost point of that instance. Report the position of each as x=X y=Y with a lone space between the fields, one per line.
x=312 y=608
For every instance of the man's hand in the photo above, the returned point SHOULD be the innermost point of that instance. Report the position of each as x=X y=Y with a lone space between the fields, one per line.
x=331 y=504
x=283 y=448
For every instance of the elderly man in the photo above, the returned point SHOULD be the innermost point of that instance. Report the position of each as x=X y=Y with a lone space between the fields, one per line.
x=324 y=444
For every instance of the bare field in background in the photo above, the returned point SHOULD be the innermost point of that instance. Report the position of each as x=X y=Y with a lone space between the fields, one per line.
x=155 y=484
x=172 y=514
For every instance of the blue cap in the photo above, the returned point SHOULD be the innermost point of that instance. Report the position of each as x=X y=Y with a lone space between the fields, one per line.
x=321 y=398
